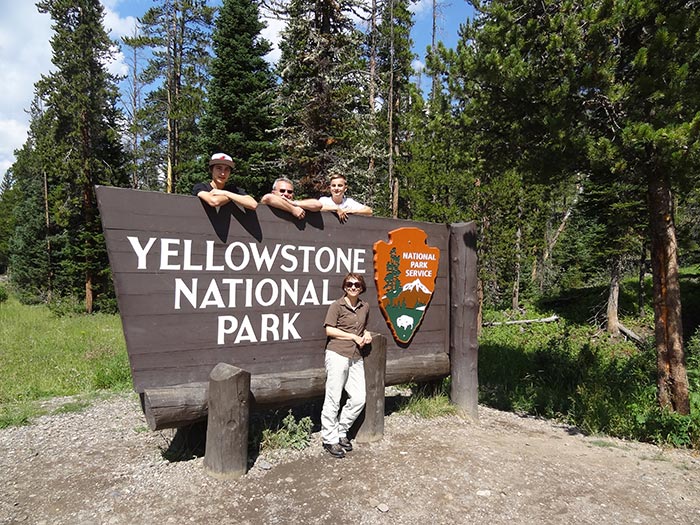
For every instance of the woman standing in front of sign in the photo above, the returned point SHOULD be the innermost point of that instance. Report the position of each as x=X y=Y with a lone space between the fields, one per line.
x=347 y=335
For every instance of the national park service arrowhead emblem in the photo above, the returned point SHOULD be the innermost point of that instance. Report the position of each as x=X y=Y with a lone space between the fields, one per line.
x=405 y=270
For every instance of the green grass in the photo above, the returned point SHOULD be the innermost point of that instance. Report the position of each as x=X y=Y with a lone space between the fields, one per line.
x=574 y=371
x=44 y=356
x=429 y=400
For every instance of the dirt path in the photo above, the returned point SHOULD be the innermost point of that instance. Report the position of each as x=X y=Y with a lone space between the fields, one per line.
x=104 y=466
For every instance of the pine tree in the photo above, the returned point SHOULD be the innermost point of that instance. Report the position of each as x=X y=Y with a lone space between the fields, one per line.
x=178 y=33
x=320 y=96
x=9 y=199
x=80 y=99
x=605 y=90
x=31 y=247
x=395 y=66
x=238 y=118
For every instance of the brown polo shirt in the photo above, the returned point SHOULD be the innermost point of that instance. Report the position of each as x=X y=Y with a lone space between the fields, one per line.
x=341 y=315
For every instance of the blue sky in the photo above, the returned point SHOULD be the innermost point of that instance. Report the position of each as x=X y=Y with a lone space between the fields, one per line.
x=25 y=52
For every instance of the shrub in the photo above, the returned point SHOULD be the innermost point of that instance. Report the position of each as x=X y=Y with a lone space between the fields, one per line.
x=3 y=294
x=66 y=306
x=291 y=434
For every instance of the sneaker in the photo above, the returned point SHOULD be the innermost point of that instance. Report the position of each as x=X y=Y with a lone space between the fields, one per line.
x=345 y=443
x=334 y=450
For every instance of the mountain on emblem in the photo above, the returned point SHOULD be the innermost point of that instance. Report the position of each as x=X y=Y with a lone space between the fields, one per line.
x=405 y=270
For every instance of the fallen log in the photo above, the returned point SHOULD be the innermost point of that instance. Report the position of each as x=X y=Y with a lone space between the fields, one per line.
x=629 y=333
x=550 y=319
x=180 y=405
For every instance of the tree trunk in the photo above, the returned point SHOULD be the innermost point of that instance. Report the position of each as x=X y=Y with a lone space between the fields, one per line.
x=642 y=274
x=47 y=223
x=613 y=322
x=393 y=183
x=672 y=380
x=516 y=280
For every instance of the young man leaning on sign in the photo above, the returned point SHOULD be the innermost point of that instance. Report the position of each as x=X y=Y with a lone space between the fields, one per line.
x=347 y=335
x=282 y=197
x=341 y=203
x=218 y=192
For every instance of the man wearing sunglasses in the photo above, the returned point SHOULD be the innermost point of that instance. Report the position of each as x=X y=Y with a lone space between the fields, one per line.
x=347 y=336
x=282 y=197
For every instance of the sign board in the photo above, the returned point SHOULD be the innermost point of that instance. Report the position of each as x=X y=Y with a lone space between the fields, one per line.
x=197 y=285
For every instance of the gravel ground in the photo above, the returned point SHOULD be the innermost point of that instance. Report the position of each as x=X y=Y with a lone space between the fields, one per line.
x=103 y=465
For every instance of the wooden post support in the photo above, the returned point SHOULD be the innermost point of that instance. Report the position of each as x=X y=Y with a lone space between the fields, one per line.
x=226 y=455
x=464 y=312
x=372 y=426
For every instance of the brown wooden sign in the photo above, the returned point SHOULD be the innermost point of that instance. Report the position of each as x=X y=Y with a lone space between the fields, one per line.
x=197 y=286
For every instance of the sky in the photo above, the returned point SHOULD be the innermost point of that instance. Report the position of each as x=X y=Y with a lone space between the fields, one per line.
x=25 y=52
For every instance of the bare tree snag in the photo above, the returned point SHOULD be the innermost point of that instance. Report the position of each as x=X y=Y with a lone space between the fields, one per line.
x=613 y=322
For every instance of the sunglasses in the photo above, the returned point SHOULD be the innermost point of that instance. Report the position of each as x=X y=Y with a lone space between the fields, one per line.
x=285 y=190
x=353 y=284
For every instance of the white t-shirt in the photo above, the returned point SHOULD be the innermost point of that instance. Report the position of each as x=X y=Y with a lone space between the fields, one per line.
x=348 y=203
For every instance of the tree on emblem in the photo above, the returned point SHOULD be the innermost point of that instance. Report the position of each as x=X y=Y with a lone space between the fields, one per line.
x=392 y=282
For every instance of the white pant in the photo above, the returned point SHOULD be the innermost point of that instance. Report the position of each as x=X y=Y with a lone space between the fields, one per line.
x=341 y=372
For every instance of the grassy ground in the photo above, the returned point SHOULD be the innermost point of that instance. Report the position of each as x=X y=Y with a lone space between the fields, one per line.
x=573 y=370
x=44 y=356
x=570 y=370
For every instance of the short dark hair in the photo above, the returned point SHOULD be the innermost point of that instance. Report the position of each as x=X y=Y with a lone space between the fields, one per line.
x=357 y=277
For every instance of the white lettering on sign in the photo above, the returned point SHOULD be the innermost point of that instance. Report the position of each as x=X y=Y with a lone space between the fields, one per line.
x=273 y=278
x=267 y=330
x=420 y=256
x=419 y=273
x=141 y=251
x=239 y=293
x=178 y=254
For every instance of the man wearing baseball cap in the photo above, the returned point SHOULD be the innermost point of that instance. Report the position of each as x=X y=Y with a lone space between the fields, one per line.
x=217 y=192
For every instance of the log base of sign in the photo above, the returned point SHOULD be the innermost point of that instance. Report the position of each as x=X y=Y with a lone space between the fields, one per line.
x=226 y=455
x=464 y=315
x=179 y=405
x=372 y=425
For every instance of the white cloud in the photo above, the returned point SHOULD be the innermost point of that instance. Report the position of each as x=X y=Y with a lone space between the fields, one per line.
x=420 y=8
x=117 y=27
x=25 y=54
x=272 y=33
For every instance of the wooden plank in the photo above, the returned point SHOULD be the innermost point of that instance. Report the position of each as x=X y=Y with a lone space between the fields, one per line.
x=182 y=404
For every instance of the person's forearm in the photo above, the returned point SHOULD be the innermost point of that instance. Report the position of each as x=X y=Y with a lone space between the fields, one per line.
x=246 y=201
x=337 y=333
x=365 y=210
x=213 y=199
x=310 y=204
x=278 y=202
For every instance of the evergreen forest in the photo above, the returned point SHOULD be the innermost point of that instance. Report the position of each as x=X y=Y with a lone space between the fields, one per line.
x=569 y=131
